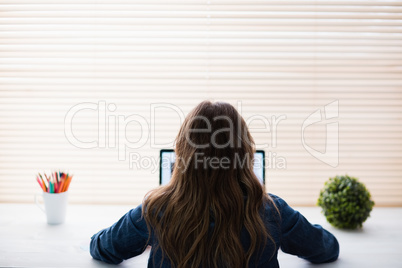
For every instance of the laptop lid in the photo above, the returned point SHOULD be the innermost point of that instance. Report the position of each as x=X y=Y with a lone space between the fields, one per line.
x=168 y=157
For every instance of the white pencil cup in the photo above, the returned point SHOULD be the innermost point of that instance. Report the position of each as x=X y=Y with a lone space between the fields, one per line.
x=55 y=206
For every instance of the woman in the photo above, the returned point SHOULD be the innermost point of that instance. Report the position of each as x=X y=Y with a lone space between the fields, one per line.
x=214 y=212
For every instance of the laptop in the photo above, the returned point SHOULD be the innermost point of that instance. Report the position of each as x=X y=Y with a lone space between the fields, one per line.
x=168 y=157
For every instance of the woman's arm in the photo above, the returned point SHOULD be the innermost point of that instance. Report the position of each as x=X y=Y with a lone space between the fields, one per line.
x=300 y=237
x=125 y=239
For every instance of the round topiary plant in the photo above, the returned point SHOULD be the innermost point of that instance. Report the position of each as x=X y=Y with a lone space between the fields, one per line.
x=345 y=202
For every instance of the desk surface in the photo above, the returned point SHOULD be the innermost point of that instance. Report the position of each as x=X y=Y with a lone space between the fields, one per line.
x=27 y=241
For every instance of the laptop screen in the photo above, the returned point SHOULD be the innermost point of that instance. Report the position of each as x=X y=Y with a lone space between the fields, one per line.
x=168 y=157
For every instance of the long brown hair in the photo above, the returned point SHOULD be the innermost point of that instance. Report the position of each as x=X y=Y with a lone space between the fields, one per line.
x=198 y=217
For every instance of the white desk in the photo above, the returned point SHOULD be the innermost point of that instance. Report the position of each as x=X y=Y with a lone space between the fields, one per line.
x=27 y=241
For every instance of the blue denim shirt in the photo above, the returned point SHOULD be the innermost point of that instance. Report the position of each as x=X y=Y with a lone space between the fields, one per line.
x=291 y=231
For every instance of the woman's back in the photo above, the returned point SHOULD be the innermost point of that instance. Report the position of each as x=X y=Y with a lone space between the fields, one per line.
x=291 y=232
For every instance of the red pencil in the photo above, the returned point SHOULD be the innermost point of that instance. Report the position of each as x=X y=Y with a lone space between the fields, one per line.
x=43 y=182
x=41 y=185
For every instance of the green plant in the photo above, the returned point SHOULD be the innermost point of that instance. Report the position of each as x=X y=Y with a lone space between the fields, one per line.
x=345 y=202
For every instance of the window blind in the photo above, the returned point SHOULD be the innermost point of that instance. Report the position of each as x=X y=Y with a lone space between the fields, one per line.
x=282 y=63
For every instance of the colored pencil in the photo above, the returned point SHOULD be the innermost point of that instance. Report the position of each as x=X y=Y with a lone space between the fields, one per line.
x=41 y=185
x=57 y=182
x=67 y=184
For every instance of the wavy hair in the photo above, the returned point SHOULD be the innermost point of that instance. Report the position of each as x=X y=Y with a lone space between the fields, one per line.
x=199 y=215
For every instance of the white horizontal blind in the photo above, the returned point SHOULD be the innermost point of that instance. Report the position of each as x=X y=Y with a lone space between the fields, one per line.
x=279 y=59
